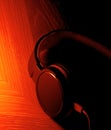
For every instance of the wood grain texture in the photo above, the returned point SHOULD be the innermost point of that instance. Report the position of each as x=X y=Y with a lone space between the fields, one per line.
x=22 y=22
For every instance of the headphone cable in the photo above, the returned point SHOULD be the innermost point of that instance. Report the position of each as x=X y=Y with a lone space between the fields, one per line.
x=79 y=108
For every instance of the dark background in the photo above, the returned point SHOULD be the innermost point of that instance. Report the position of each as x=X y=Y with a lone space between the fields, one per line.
x=91 y=18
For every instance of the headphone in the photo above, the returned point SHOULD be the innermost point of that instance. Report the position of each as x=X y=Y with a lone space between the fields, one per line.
x=52 y=70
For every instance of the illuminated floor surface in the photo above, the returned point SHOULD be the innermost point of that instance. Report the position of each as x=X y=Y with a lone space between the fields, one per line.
x=21 y=24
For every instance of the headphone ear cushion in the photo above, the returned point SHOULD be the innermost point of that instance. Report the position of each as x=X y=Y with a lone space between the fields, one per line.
x=55 y=47
x=59 y=53
x=43 y=57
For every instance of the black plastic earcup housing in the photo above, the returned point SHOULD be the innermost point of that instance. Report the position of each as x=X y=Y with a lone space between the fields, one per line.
x=53 y=91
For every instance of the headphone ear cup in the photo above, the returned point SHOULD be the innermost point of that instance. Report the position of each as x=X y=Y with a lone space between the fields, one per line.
x=52 y=92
